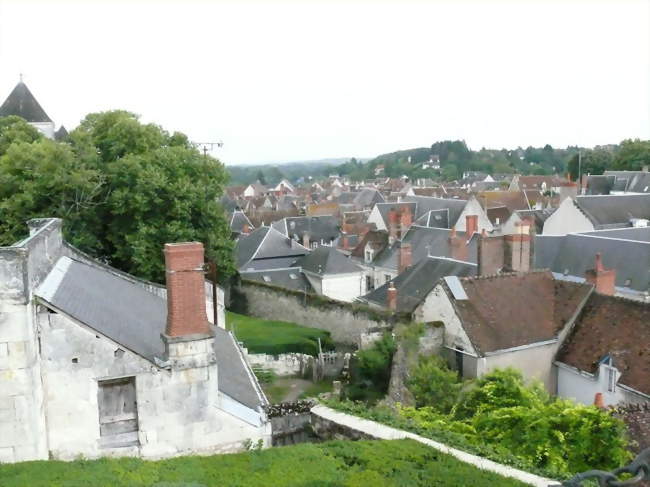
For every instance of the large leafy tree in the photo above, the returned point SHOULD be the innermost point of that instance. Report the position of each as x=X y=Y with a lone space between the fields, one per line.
x=595 y=161
x=632 y=155
x=123 y=188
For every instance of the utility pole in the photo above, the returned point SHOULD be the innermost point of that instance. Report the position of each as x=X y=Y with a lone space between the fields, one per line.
x=211 y=264
x=580 y=170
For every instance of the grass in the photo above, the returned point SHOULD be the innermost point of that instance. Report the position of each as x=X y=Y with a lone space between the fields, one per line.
x=317 y=388
x=276 y=393
x=332 y=464
x=276 y=337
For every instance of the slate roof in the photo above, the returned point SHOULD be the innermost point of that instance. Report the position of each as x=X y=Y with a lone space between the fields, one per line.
x=424 y=241
x=415 y=284
x=327 y=260
x=266 y=243
x=434 y=219
x=318 y=228
x=291 y=278
x=616 y=327
x=631 y=181
x=606 y=211
x=600 y=184
x=238 y=220
x=130 y=315
x=513 y=310
x=22 y=103
x=385 y=208
x=426 y=204
x=361 y=199
x=575 y=253
x=61 y=134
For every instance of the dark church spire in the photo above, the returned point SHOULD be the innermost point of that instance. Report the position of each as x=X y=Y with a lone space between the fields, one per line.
x=21 y=102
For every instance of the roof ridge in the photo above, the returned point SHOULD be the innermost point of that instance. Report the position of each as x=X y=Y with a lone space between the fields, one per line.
x=506 y=274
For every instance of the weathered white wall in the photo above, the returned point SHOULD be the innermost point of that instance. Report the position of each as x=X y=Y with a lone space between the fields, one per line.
x=286 y=364
x=375 y=217
x=343 y=287
x=582 y=387
x=46 y=128
x=534 y=363
x=380 y=274
x=178 y=411
x=567 y=219
x=473 y=207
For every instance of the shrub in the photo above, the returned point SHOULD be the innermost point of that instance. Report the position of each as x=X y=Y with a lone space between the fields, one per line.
x=433 y=384
x=371 y=371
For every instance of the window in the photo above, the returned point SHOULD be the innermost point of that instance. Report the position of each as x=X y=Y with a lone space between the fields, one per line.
x=387 y=278
x=369 y=284
x=314 y=245
x=611 y=379
x=368 y=256
x=293 y=276
x=266 y=278
x=118 y=412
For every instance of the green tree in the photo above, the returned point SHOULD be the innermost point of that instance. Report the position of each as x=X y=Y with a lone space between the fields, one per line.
x=595 y=161
x=15 y=129
x=45 y=179
x=123 y=188
x=434 y=384
x=632 y=155
x=260 y=177
x=450 y=173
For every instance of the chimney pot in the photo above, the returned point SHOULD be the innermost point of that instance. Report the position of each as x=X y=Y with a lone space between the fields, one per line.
x=471 y=225
x=599 y=402
x=604 y=280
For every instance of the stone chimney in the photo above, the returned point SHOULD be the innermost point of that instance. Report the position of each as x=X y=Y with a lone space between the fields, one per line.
x=305 y=240
x=604 y=280
x=393 y=220
x=392 y=297
x=517 y=248
x=457 y=246
x=405 y=256
x=188 y=336
x=406 y=220
x=490 y=254
x=471 y=225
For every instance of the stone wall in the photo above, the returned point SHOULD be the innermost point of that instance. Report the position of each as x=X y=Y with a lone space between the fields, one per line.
x=348 y=323
x=286 y=364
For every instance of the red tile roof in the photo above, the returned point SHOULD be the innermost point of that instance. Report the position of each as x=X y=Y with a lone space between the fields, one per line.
x=513 y=310
x=616 y=327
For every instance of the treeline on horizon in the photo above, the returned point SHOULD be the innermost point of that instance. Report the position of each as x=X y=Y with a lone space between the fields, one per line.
x=456 y=157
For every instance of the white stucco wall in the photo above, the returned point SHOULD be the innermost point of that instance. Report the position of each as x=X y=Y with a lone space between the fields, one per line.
x=567 y=219
x=473 y=207
x=344 y=287
x=380 y=274
x=582 y=387
x=179 y=411
x=46 y=128
x=375 y=217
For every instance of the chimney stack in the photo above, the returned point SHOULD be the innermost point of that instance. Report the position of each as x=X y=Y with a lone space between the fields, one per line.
x=305 y=240
x=457 y=246
x=471 y=225
x=406 y=220
x=246 y=229
x=392 y=297
x=392 y=225
x=604 y=280
x=517 y=248
x=345 y=244
x=405 y=256
x=186 y=315
x=599 y=402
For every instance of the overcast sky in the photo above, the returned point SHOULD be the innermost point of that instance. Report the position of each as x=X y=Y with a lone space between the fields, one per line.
x=300 y=80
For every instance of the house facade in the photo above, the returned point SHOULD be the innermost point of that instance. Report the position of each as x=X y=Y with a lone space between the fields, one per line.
x=96 y=363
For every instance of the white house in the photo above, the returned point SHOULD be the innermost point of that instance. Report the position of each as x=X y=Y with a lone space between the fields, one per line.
x=332 y=274
x=95 y=362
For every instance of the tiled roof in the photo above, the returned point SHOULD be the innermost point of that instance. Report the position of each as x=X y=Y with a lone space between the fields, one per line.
x=266 y=243
x=614 y=210
x=426 y=204
x=513 y=310
x=292 y=279
x=327 y=260
x=616 y=327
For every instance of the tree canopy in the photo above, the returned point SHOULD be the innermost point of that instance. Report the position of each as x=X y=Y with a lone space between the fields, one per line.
x=123 y=188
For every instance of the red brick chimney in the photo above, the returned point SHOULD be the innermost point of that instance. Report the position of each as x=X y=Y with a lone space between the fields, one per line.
x=457 y=246
x=345 y=241
x=406 y=220
x=599 y=402
x=186 y=315
x=405 y=256
x=393 y=220
x=471 y=225
x=392 y=297
x=604 y=280
x=246 y=229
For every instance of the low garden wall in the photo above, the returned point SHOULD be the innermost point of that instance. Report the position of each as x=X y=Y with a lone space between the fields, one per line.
x=330 y=424
x=348 y=323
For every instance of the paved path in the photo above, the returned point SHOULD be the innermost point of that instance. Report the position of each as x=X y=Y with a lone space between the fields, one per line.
x=383 y=432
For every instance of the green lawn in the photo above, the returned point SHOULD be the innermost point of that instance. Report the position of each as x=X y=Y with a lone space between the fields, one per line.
x=400 y=463
x=276 y=337
x=317 y=388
